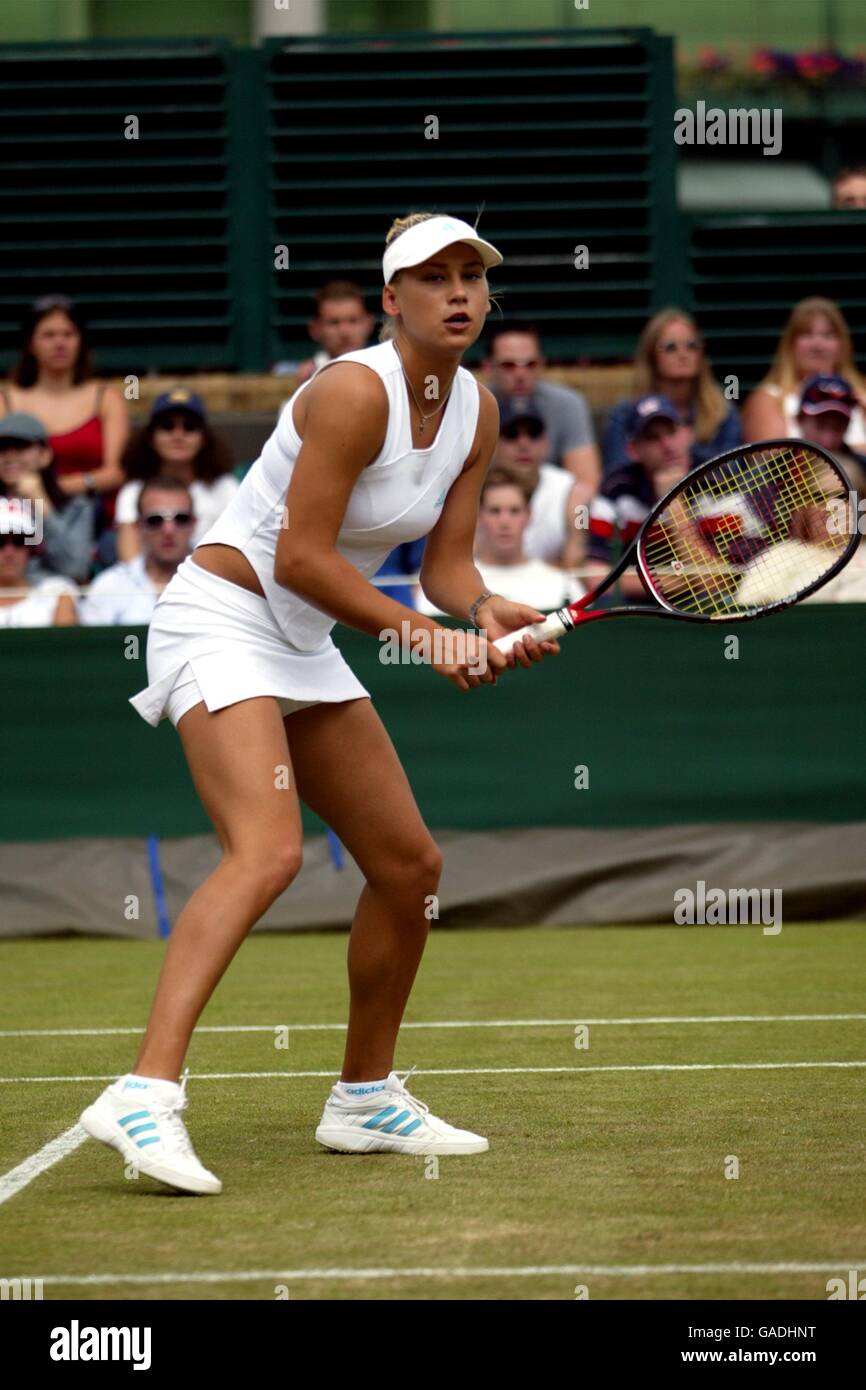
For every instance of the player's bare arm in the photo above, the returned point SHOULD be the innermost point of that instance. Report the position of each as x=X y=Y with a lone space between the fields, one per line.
x=343 y=428
x=449 y=577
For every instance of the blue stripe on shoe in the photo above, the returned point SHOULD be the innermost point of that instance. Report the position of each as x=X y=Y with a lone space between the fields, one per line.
x=135 y=1115
x=398 y=1120
x=141 y=1142
x=409 y=1128
x=140 y=1129
x=373 y=1123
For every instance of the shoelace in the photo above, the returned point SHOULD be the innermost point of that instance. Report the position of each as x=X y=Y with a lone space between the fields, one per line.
x=419 y=1104
x=169 y=1116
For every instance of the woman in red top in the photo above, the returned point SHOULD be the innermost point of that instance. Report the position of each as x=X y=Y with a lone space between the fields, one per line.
x=86 y=420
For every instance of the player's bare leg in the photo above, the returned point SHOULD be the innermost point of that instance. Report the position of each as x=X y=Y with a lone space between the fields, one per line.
x=235 y=756
x=348 y=772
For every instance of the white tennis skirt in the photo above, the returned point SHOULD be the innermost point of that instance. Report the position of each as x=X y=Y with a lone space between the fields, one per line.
x=211 y=640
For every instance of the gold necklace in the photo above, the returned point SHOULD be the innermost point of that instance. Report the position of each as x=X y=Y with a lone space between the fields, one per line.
x=424 y=418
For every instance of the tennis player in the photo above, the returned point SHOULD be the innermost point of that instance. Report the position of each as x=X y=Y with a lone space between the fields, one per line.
x=380 y=446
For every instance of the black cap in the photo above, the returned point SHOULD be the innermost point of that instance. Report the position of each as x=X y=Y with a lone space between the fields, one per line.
x=518 y=408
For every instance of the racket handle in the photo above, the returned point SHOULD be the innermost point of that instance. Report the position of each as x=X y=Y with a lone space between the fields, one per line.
x=552 y=627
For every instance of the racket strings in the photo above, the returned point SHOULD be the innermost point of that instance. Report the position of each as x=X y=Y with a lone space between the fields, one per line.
x=748 y=534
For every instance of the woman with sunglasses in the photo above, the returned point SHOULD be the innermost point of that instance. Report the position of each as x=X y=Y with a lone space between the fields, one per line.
x=381 y=446
x=48 y=603
x=177 y=440
x=671 y=362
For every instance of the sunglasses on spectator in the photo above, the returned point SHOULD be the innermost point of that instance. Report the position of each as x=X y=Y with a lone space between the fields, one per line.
x=533 y=428
x=188 y=423
x=15 y=538
x=510 y=366
x=154 y=520
x=690 y=344
x=51 y=301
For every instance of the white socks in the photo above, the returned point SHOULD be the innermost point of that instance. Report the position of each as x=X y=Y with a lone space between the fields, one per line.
x=132 y=1082
x=356 y=1090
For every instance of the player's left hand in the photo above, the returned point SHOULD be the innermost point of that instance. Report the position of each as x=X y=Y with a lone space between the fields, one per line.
x=499 y=616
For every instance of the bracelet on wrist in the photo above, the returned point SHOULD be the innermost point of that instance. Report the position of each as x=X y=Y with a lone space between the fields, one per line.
x=479 y=602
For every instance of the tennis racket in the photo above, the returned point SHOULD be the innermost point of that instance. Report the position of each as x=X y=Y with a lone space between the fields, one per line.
x=740 y=537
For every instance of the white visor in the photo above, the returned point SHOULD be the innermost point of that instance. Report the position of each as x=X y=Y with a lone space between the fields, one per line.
x=423 y=240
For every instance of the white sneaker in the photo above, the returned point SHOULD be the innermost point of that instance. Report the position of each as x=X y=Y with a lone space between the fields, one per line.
x=140 y=1117
x=390 y=1119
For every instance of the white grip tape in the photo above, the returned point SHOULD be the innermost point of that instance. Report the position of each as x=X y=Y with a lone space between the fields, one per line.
x=551 y=627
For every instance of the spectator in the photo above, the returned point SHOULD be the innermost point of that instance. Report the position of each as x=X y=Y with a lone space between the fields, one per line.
x=849 y=586
x=659 y=450
x=86 y=420
x=815 y=341
x=503 y=517
x=807 y=542
x=177 y=439
x=128 y=591
x=849 y=188
x=515 y=363
x=27 y=473
x=554 y=497
x=671 y=362
x=49 y=602
x=342 y=323
x=824 y=416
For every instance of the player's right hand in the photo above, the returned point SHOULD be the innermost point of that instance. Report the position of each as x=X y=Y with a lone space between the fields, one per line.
x=467 y=658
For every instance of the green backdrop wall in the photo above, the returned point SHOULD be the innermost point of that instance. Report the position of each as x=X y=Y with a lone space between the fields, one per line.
x=254 y=175
x=669 y=729
x=736 y=23
x=774 y=23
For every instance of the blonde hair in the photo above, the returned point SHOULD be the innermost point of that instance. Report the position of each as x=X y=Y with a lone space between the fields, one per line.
x=782 y=372
x=710 y=406
x=391 y=322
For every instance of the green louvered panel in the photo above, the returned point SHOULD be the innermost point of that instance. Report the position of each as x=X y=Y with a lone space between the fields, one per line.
x=565 y=139
x=136 y=230
x=747 y=272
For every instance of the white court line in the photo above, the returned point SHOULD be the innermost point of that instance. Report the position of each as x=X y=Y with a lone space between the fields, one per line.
x=461 y=1272
x=465 y=1071
x=51 y=1153
x=40 y=1162
x=448 y=1023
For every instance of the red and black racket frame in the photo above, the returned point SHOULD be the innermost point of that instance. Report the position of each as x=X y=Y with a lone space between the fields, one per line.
x=576 y=614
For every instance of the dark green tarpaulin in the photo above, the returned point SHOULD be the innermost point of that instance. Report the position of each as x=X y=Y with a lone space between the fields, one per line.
x=670 y=730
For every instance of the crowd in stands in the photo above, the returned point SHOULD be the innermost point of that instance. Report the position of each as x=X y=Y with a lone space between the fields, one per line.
x=84 y=502
x=95 y=519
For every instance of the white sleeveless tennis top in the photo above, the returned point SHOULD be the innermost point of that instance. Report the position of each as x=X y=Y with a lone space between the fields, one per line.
x=398 y=497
